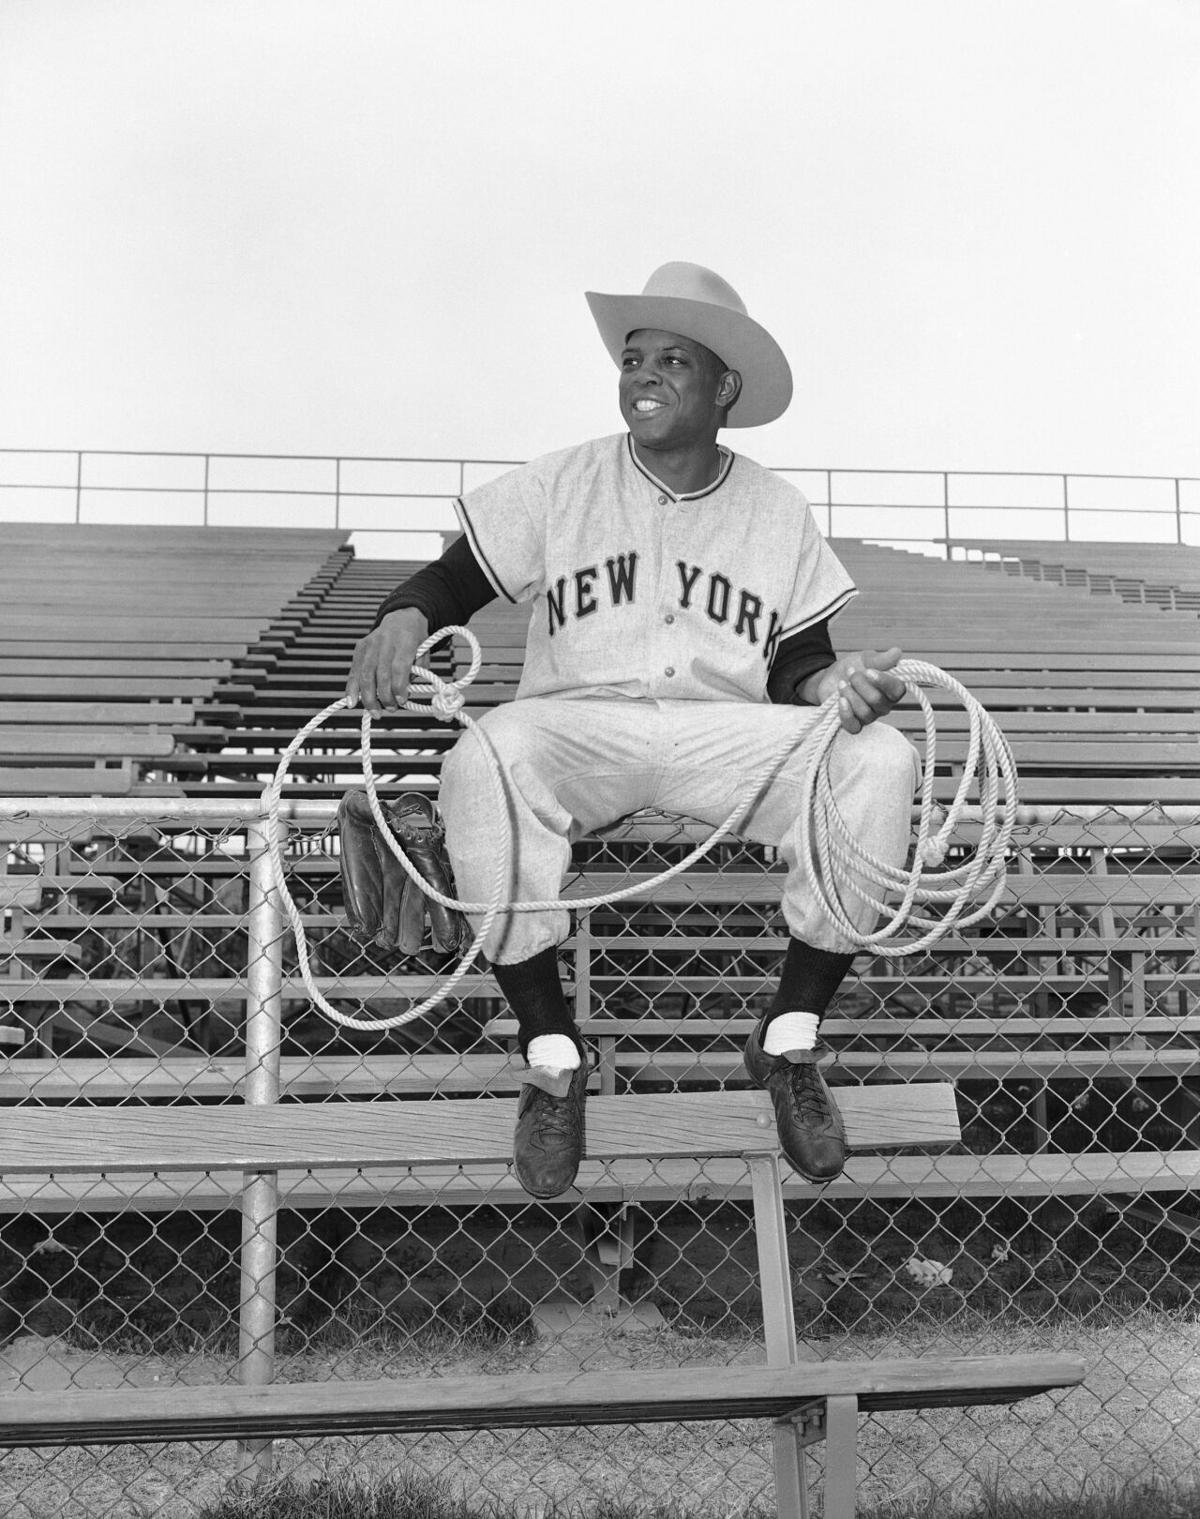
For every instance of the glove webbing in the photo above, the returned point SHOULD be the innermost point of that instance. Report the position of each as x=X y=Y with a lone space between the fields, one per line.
x=828 y=851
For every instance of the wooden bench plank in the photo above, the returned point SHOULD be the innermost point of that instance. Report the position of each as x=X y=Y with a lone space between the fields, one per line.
x=115 y=990
x=114 y=686
x=40 y=949
x=166 y=629
x=116 y=648
x=954 y=1055
x=683 y=1067
x=55 y=780
x=110 y=664
x=367 y=1135
x=126 y=743
x=517 y=1400
x=24 y=890
x=118 y=1078
x=172 y=715
x=969 y=1026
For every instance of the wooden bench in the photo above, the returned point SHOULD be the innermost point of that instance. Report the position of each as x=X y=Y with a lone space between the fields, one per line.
x=806 y=1401
x=171 y=716
x=179 y=1076
x=996 y=1049
x=116 y=685
x=1159 y=574
x=124 y=743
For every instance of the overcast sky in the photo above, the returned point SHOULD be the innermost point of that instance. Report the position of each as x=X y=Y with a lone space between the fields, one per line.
x=366 y=226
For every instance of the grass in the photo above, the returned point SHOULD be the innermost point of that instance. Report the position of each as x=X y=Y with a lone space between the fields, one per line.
x=457 y=1322
x=1140 y=1500
x=420 y=1497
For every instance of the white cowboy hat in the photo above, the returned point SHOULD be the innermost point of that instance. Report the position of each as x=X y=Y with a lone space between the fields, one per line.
x=698 y=304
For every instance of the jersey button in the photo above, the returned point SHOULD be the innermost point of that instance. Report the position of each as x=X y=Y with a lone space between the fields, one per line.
x=670 y=617
x=670 y=670
x=662 y=501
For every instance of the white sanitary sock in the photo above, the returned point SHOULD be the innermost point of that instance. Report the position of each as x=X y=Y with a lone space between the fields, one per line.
x=553 y=1052
x=791 y=1031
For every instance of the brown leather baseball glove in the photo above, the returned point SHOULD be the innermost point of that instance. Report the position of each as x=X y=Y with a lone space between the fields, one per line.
x=383 y=906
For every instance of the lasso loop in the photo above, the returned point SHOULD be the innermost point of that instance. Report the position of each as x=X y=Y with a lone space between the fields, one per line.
x=828 y=851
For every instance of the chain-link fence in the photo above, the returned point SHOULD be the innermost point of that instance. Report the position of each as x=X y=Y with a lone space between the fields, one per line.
x=144 y=962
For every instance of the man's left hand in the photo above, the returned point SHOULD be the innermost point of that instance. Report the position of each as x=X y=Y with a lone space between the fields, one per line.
x=865 y=690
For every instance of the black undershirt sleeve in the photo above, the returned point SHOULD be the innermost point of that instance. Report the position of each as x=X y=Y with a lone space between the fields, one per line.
x=796 y=659
x=447 y=592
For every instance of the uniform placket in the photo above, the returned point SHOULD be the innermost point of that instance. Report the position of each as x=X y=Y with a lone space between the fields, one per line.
x=664 y=652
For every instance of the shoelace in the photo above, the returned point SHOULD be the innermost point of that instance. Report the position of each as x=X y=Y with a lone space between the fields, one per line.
x=552 y=1115
x=804 y=1088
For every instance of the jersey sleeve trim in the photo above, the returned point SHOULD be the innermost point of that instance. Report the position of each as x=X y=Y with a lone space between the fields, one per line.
x=485 y=565
x=831 y=609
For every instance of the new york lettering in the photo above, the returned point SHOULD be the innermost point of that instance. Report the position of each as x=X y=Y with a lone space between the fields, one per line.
x=716 y=598
x=710 y=593
x=620 y=580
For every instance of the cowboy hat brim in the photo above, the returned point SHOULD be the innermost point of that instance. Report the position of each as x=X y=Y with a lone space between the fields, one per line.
x=737 y=340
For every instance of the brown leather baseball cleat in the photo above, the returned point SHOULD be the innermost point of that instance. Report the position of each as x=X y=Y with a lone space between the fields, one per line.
x=811 y=1133
x=548 y=1144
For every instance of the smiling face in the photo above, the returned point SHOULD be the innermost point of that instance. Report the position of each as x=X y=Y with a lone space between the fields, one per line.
x=673 y=392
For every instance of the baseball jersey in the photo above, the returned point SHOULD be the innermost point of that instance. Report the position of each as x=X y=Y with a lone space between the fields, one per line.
x=641 y=592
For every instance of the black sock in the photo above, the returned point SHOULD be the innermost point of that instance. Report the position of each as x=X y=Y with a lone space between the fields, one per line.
x=808 y=980
x=533 y=990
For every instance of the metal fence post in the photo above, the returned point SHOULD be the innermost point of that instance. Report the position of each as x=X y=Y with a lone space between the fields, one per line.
x=946 y=510
x=260 y=1193
x=779 y=1326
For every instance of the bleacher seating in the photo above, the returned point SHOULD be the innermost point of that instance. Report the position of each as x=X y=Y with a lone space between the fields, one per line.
x=1098 y=709
x=1086 y=973
x=114 y=636
x=120 y=671
x=1148 y=574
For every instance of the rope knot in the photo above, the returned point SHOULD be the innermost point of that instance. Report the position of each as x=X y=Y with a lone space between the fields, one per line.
x=932 y=852
x=447 y=700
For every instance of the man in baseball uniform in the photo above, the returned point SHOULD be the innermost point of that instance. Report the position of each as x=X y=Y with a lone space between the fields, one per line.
x=679 y=634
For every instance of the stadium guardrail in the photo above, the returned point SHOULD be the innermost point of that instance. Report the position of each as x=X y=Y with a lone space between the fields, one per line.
x=367 y=496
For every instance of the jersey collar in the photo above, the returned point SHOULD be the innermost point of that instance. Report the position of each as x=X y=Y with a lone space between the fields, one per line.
x=727 y=458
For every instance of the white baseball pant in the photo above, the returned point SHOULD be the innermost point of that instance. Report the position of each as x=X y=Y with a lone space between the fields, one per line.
x=576 y=764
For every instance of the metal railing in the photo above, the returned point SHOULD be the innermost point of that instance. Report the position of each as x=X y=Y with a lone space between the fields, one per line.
x=396 y=498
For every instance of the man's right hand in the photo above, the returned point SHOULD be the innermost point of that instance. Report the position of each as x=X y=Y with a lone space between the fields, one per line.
x=382 y=664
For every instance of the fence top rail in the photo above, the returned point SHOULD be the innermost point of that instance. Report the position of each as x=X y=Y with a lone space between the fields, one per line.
x=810 y=469
x=215 y=810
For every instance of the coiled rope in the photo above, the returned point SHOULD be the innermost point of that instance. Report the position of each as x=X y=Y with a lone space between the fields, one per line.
x=828 y=851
